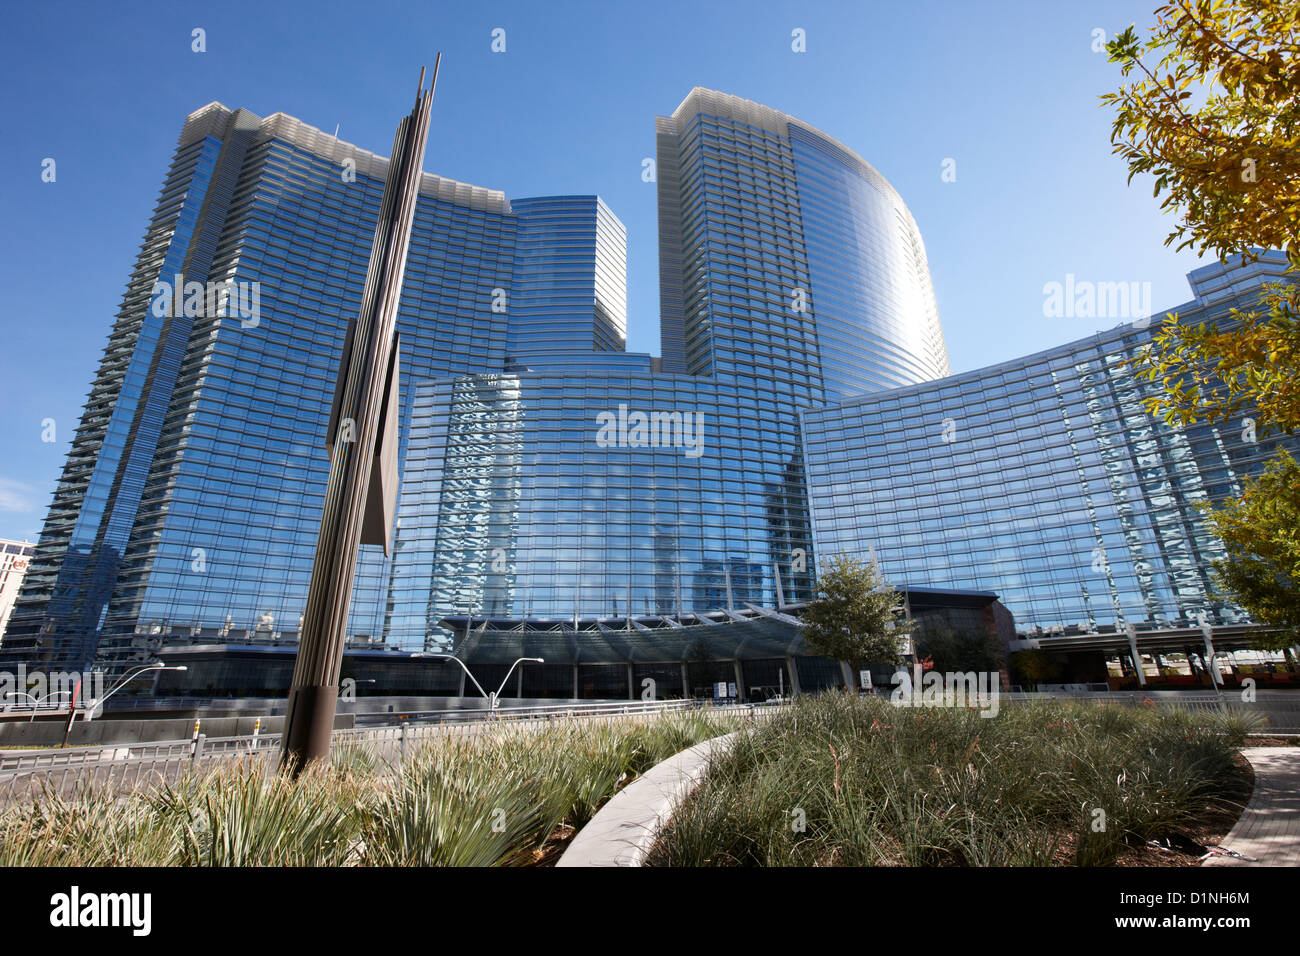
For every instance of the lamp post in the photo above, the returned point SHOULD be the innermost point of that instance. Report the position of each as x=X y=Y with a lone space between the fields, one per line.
x=497 y=694
x=492 y=697
x=453 y=657
x=96 y=703
x=36 y=701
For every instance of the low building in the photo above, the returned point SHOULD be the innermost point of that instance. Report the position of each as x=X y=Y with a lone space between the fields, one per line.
x=757 y=651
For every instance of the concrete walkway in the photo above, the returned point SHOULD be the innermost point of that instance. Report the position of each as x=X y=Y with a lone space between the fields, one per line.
x=1269 y=831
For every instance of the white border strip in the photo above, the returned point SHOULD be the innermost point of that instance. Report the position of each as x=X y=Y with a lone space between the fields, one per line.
x=624 y=830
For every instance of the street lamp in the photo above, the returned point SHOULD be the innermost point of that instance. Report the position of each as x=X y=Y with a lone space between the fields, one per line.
x=36 y=704
x=492 y=698
x=36 y=701
x=534 y=660
x=452 y=657
x=19 y=693
x=96 y=704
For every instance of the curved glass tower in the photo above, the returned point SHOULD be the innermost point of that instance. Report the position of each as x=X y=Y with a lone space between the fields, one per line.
x=777 y=240
x=791 y=275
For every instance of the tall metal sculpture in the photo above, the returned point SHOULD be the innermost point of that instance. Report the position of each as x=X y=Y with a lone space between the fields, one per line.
x=362 y=441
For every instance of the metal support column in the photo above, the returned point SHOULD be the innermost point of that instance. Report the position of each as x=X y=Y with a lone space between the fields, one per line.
x=1137 y=658
x=1212 y=664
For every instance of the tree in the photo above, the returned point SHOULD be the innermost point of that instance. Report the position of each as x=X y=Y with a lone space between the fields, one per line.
x=1261 y=531
x=1249 y=370
x=1230 y=169
x=698 y=661
x=856 y=615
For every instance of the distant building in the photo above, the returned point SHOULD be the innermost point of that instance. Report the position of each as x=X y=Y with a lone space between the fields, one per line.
x=14 y=559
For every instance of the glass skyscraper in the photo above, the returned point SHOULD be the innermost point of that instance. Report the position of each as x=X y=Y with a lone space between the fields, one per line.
x=549 y=475
x=190 y=501
x=1044 y=479
x=570 y=279
x=790 y=271
x=786 y=261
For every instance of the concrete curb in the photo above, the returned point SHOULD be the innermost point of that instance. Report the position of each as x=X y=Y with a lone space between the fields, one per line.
x=624 y=830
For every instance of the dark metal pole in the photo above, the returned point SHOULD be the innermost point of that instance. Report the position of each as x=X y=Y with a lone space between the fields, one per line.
x=362 y=444
x=72 y=713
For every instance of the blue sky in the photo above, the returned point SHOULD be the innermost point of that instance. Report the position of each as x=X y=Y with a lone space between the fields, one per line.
x=1007 y=90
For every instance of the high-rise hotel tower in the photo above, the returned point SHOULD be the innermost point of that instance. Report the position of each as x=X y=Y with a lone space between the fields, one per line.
x=547 y=475
x=791 y=274
x=191 y=497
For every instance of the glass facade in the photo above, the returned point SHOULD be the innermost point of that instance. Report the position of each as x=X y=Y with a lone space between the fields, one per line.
x=190 y=502
x=547 y=474
x=876 y=320
x=1042 y=479
x=570 y=278
x=79 y=555
x=542 y=511
x=790 y=270
x=786 y=259
x=191 y=511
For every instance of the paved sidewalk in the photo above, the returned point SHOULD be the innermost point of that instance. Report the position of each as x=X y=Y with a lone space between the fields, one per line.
x=1269 y=831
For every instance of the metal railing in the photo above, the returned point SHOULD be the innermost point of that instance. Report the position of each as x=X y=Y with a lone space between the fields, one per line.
x=1279 y=710
x=119 y=768
x=115 y=768
x=574 y=709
